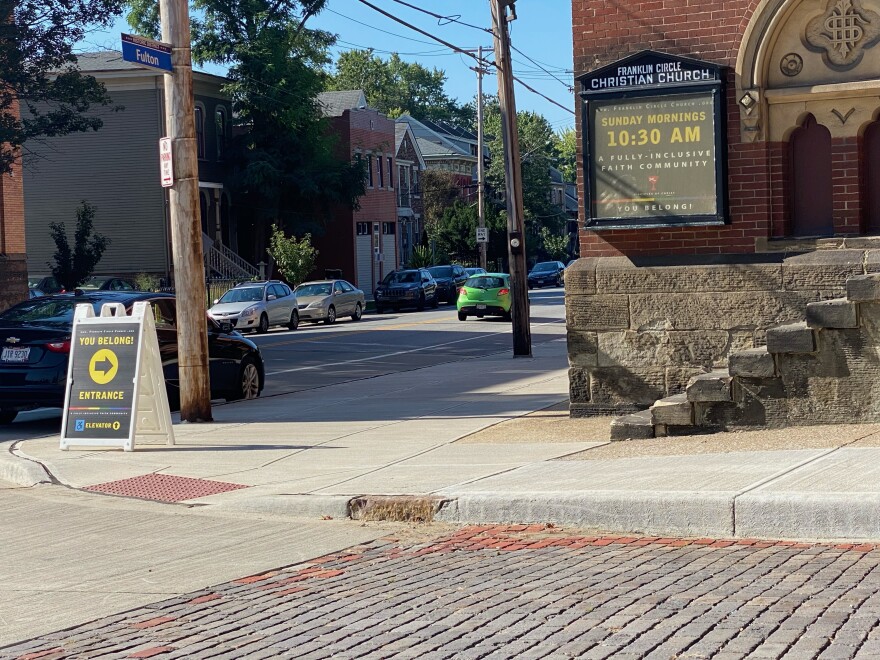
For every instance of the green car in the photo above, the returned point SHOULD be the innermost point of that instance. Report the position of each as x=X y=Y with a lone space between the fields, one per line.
x=486 y=294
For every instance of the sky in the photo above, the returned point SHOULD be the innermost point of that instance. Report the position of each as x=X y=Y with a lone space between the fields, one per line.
x=542 y=33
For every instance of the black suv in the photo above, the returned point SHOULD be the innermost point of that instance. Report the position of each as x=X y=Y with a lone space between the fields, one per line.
x=547 y=273
x=449 y=279
x=406 y=288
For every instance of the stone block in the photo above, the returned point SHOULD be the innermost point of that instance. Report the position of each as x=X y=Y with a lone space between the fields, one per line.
x=822 y=269
x=792 y=338
x=620 y=275
x=674 y=410
x=677 y=378
x=872 y=261
x=580 y=277
x=580 y=410
x=615 y=386
x=835 y=313
x=718 y=311
x=578 y=385
x=752 y=363
x=863 y=288
x=655 y=348
x=597 y=312
x=583 y=348
x=714 y=386
x=632 y=427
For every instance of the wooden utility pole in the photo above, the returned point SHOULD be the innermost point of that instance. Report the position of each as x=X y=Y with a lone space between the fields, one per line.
x=186 y=227
x=522 y=336
x=481 y=175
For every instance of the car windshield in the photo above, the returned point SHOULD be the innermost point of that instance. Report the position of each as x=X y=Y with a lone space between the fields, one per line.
x=244 y=294
x=441 y=271
x=34 y=281
x=314 y=289
x=93 y=283
x=41 y=310
x=484 y=282
x=402 y=277
x=544 y=267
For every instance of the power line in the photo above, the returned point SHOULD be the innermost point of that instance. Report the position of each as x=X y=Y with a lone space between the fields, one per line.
x=448 y=19
x=373 y=27
x=567 y=86
x=459 y=50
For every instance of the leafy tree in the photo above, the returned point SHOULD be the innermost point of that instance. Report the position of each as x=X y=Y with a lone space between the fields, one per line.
x=395 y=87
x=285 y=167
x=439 y=191
x=555 y=245
x=74 y=266
x=421 y=257
x=39 y=74
x=455 y=234
x=565 y=149
x=294 y=258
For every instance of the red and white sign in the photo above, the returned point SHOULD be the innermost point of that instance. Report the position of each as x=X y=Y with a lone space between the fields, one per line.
x=166 y=163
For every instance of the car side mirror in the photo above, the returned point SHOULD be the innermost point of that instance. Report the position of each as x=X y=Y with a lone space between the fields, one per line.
x=271 y=296
x=216 y=301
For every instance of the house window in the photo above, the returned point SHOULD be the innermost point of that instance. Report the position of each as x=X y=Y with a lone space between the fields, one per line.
x=363 y=228
x=221 y=124
x=370 y=170
x=388 y=228
x=390 y=170
x=381 y=171
x=200 y=131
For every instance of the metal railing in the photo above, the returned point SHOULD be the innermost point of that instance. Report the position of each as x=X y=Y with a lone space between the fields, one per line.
x=225 y=263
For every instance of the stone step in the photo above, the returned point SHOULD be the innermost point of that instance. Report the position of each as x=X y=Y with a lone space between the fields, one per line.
x=863 y=288
x=792 y=338
x=674 y=410
x=710 y=387
x=752 y=363
x=637 y=426
x=837 y=313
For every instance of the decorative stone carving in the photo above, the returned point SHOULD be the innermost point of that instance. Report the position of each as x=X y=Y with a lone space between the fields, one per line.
x=844 y=32
x=843 y=116
x=791 y=65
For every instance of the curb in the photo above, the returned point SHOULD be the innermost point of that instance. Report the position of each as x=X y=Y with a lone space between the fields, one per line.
x=335 y=507
x=21 y=471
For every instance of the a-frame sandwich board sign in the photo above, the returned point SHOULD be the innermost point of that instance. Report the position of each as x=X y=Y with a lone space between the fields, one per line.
x=115 y=393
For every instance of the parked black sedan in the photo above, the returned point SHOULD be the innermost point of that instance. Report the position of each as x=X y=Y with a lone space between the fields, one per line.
x=547 y=273
x=406 y=288
x=35 y=349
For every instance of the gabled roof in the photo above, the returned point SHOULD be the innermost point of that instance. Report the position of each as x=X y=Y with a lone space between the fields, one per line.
x=333 y=104
x=401 y=130
x=445 y=128
x=433 y=143
x=430 y=149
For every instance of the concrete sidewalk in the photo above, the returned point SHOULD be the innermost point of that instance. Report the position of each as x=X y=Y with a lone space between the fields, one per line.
x=465 y=439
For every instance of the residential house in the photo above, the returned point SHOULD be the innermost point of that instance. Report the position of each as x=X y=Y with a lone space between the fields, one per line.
x=449 y=148
x=410 y=206
x=362 y=243
x=116 y=169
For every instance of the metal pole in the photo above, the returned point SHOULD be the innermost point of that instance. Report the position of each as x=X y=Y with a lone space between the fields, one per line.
x=480 y=173
x=186 y=227
x=522 y=337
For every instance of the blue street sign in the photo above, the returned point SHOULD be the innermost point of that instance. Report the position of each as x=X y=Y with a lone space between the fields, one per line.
x=146 y=52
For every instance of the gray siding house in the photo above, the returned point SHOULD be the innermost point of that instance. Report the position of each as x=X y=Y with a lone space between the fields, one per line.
x=116 y=169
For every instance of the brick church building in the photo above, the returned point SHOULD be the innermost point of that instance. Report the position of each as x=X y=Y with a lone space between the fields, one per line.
x=729 y=176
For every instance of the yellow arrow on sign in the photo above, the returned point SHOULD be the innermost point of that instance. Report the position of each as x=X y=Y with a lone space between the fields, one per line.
x=103 y=366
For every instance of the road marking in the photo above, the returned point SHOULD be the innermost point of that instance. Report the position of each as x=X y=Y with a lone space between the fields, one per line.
x=348 y=333
x=386 y=355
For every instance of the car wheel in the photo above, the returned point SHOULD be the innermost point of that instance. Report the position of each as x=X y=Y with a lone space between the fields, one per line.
x=294 y=320
x=331 y=316
x=248 y=386
x=8 y=416
x=559 y=281
x=462 y=316
x=530 y=286
x=507 y=316
x=379 y=309
x=263 y=328
x=435 y=303
x=358 y=312
x=421 y=305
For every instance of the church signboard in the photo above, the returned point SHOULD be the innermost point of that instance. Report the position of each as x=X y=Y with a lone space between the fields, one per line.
x=654 y=143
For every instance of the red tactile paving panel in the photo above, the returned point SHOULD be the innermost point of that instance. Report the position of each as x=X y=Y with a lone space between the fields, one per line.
x=164 y=487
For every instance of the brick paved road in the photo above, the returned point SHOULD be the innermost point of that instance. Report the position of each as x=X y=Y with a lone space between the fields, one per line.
x=515 y=592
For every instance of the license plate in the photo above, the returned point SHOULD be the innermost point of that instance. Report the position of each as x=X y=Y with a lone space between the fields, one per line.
x=481 y=307
x=15 y=354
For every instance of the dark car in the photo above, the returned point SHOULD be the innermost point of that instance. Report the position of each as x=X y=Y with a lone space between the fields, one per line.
x=406 y=288
x=547 y=273
x=106 y=283
x=449 y=280
x=43 y=286
x=35 y=350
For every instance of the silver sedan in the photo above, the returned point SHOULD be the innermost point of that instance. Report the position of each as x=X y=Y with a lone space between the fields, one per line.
x=327 y=300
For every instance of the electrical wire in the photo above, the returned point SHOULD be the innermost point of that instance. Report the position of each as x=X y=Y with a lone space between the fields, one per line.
x=459 y=50
x=567 y=86
x=373 y=27
x=448 y=19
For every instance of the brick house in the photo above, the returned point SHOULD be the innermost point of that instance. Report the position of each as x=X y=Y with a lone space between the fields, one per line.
x=448 y=148
x=362 y=243
x=13 y=258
